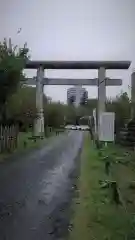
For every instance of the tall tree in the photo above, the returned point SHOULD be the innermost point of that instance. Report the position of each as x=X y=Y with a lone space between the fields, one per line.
x=12 y=62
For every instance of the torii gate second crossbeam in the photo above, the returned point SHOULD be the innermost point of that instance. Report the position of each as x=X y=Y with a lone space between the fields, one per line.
x=74 y=81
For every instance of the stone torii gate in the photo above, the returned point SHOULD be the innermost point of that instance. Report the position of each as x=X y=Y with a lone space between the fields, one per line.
x=64 y=81
x=101 y=82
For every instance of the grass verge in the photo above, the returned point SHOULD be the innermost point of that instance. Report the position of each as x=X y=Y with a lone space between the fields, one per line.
x=30 y=143
x=25 y=143
x=97 y=216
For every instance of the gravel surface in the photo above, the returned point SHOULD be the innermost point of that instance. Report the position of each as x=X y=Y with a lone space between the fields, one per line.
x=36 y=190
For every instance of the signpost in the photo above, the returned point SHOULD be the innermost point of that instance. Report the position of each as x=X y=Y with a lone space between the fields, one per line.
x=106 y=131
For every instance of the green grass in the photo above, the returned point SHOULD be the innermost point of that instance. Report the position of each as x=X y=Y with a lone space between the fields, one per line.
x=24 y=136
x=96 y=216
x=30 y=144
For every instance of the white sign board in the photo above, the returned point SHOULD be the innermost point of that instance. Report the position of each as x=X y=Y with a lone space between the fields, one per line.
x=106 y=126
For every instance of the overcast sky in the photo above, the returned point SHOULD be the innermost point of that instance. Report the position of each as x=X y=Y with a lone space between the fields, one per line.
x=73 y=30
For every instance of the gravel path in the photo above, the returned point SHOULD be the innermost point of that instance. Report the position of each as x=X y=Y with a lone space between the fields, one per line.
x=36 y=190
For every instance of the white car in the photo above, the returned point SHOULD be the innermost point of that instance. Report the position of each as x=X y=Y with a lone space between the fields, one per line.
x=70 y=127
x=77 y=127
x=83 y=127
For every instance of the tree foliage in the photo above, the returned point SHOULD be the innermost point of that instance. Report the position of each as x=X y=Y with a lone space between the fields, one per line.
x=121 y=105
x=12 y=62
x=54 y=114
x=21 y=105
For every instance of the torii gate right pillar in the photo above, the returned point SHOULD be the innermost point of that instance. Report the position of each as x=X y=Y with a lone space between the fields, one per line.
x=101 y=95
x=133 y=95
x=101 y=89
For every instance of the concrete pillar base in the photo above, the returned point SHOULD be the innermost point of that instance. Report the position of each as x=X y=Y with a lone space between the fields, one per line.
x=39 y=125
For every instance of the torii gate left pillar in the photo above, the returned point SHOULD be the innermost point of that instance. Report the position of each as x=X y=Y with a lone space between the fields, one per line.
x=39 y=121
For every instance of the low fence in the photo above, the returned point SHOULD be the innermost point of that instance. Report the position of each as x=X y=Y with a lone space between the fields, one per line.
x=8 y=138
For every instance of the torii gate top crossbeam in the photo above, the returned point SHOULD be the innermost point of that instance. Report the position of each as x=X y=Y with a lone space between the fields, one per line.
x=78 y=64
